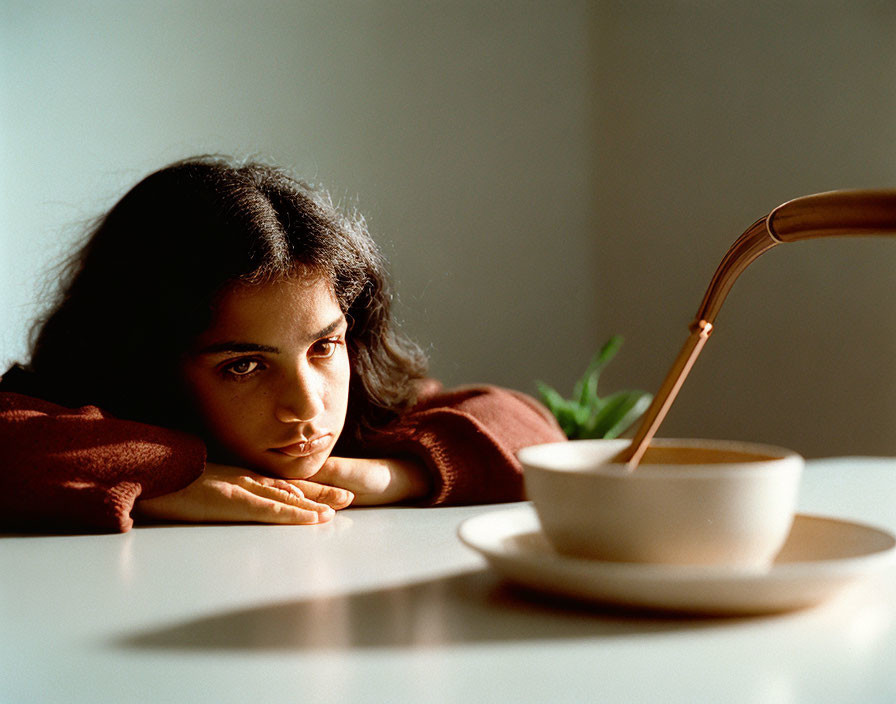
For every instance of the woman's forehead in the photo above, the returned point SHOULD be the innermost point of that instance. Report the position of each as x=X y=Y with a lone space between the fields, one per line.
x=296 y=303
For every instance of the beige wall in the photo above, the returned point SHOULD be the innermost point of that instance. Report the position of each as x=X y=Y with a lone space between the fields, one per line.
x=711 y=114
x=541 y=175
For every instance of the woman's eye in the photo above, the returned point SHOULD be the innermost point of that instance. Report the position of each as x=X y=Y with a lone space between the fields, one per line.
x=242 y=367
x=325 y=348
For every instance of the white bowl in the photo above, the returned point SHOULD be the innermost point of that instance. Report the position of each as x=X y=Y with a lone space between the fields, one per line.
x=688 y=502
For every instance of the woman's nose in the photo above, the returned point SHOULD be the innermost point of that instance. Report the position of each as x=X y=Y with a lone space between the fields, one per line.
x=300 y=400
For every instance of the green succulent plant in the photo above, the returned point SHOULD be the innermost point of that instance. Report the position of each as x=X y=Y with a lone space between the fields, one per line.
x=586 y=415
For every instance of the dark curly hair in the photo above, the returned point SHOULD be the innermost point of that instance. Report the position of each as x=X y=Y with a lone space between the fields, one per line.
x=144 y=285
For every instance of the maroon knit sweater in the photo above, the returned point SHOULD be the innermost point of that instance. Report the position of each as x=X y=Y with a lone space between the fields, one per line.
x=81 y=469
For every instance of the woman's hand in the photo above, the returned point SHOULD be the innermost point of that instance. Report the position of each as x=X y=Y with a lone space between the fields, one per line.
x=375 y=481
x=232 y=494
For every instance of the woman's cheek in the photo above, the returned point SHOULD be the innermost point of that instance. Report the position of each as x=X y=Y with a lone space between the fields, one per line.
x=228 y=415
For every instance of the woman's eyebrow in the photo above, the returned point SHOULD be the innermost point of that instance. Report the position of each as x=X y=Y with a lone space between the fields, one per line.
x=232 y=346
x=329 y=330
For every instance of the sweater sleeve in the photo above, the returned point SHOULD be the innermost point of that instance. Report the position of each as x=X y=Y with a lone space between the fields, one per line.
x=83 y=469
x=468 y=439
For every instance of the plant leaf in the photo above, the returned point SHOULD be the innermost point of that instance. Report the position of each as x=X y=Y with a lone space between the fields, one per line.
x=586 y=414
x=566 y=412
x=585 y=390
x=609 y=350
x=619 y=412
x=550 y=397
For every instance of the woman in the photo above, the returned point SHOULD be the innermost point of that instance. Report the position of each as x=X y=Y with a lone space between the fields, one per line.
x=223 y=350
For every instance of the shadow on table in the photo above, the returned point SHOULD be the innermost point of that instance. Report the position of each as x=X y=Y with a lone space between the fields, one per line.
x=466 y=608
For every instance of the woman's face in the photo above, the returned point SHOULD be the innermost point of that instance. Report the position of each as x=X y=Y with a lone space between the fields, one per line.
x=270 y=376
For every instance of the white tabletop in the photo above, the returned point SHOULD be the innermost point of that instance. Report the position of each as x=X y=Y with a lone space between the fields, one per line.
x=386 y=605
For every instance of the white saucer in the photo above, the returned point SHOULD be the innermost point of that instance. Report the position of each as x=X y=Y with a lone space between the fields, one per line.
x=820 y=558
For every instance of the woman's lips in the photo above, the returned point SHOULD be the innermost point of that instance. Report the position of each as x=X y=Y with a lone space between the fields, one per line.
x=303 y=448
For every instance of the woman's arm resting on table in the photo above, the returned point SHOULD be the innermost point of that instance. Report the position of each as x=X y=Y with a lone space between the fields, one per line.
x=375 y=482
x=81 y=469
x=465 y=441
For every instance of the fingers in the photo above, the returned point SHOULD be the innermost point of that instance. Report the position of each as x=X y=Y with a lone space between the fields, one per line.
x=230 y=494
x=333 y=496
x=261 y=509
x=270 y=500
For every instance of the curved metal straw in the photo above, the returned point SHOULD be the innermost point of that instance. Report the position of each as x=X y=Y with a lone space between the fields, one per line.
x=831 y=214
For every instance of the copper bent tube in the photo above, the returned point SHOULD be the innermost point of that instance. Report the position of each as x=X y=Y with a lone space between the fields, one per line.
x=831 y=214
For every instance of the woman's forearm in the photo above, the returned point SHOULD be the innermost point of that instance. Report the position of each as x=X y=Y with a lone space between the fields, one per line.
x=83 y=469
